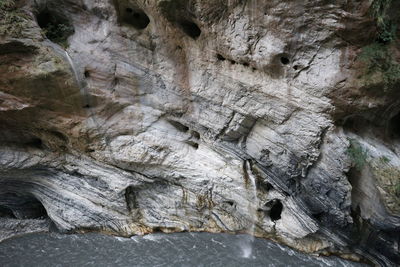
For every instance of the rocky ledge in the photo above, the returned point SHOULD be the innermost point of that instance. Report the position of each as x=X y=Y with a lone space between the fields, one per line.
x=276 y=118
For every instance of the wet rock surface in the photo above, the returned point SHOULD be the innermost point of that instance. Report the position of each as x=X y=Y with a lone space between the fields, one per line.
x=128 y=117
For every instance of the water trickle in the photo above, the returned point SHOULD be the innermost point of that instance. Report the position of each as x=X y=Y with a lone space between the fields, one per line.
x=247 y=243
x=78 y=79
x=74 y=71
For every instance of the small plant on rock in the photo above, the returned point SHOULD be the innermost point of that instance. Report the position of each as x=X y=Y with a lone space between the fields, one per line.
x=357 y=153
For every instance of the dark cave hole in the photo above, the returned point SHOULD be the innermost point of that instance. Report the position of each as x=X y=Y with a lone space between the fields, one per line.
x=136 y=17
x=179 y=126
x=394 y=126
x=6 y=212
x=220 y=57
x=232 y=61
x=86 y=106
x=86 y=74
x=21 y=206
x=35 y=142
x=56 y=28
x=296 y=67
x=246 y=64
x=190 y=28
x=276 y=209
x=285 y=60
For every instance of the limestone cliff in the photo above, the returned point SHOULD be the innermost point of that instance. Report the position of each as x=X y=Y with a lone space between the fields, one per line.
x=134 y=116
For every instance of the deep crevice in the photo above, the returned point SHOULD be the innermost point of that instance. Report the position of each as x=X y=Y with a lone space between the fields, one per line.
x=131 y=199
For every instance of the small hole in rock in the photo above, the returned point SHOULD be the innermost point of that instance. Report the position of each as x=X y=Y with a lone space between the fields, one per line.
x=230 y=202
x=195 y=134
x=190 y=28
x=296 y=67
x=220 y=57
x=276 y=209
x=87 y=74
x=86 y=106
x=193 y=144
x=232 y=62
x=284 y=60
x=136 y=17
x=179 y=126
x=253 y=69
x=246 y=64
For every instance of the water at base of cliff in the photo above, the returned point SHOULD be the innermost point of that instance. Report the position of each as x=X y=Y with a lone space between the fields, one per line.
x=179 y=249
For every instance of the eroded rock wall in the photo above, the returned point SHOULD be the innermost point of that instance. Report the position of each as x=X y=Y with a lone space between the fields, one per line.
x=139 y=116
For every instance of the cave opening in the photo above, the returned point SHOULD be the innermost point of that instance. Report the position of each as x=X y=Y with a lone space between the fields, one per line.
x=394 y=126
x=6 y=212
x=21 y=206
x=56 y=28
x=276 y=210
x=190 y=28
x=135 y=17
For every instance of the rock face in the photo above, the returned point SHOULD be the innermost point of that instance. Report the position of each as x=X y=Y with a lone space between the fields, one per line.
x=277 y=118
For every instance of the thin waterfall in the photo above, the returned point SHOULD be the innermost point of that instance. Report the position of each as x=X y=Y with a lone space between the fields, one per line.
x=247 y=244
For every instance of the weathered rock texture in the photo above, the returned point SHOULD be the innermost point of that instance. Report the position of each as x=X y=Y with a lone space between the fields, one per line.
x=203 y=116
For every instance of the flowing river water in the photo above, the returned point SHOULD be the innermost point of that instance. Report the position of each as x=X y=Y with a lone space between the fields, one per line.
x=179 y=249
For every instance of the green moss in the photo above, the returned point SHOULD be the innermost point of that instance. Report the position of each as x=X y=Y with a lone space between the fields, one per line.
x=12 y=20
x=357 y=153
x=380 y=65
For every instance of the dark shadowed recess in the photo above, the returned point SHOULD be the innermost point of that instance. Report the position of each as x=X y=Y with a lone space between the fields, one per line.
x=21 y=206
x=131 y=14
x=180 y=15
x=55 y=25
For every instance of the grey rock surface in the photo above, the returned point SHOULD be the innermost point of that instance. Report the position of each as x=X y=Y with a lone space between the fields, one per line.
x=201 y=116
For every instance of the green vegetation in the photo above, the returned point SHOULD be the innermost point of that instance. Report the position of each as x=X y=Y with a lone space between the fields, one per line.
x=386 y=26
x=357 y=154
x=380 y=64
x=12 y=20
x=58 y=33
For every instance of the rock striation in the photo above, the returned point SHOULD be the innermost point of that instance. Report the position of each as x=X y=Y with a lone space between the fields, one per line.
x=129 y=117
